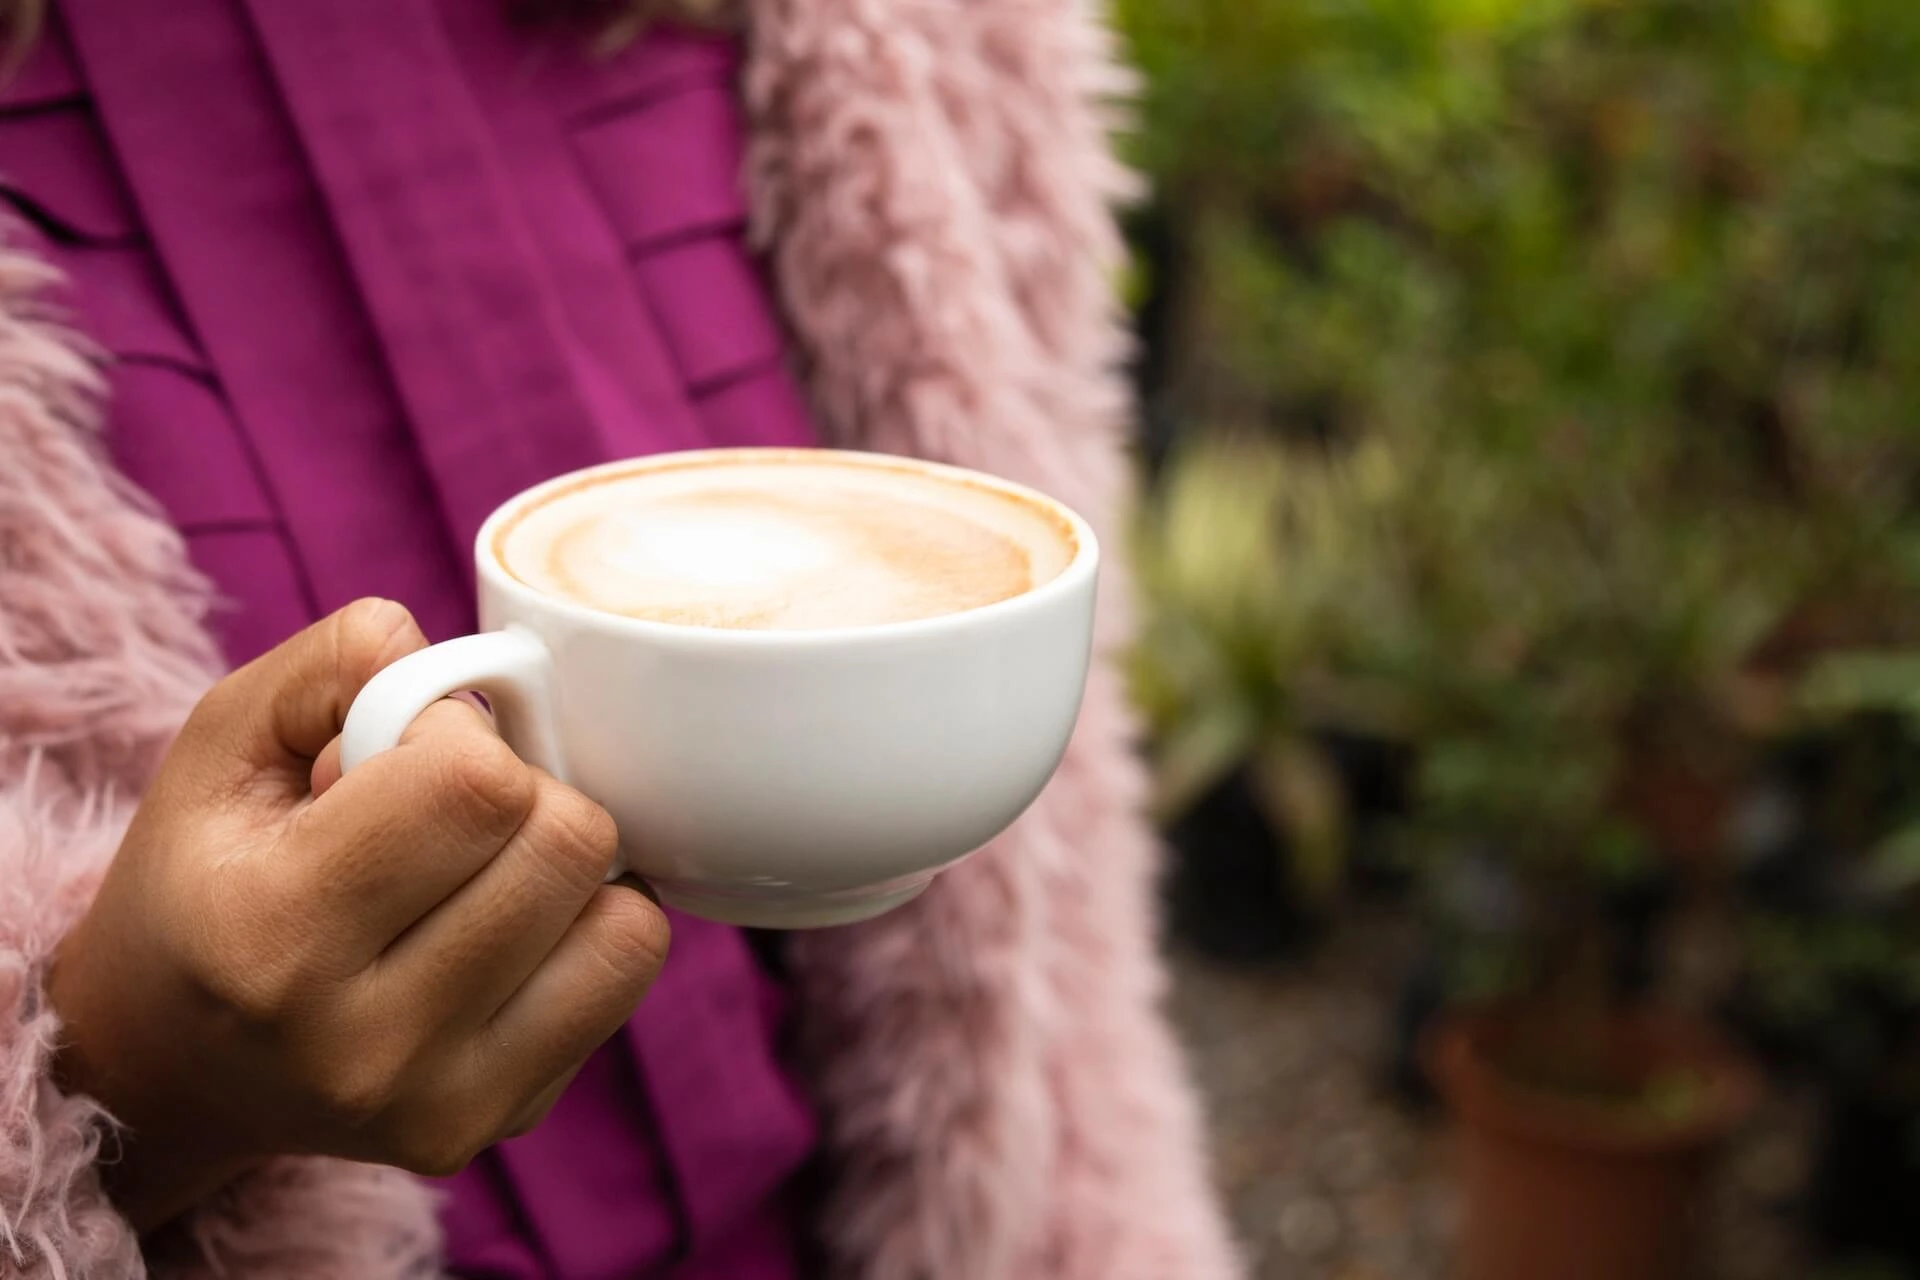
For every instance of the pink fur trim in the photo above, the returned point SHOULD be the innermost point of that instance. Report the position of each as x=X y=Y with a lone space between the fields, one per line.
x=312 y=1220
x=100 y=644
x=102 y=653
x=54 y=1219
x=1001 y=1095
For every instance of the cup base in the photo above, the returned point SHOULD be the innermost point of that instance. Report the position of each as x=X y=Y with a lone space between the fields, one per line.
x=849 y=907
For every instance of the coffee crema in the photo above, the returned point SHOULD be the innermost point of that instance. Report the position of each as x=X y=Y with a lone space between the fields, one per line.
x=783 y=542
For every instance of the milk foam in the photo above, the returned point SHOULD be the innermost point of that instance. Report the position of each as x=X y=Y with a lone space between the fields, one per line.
x=784 y=544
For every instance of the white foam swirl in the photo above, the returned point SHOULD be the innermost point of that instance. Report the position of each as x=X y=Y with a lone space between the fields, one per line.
x=788 y=542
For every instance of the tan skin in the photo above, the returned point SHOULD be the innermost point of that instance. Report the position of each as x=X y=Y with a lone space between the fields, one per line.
x=402 y=966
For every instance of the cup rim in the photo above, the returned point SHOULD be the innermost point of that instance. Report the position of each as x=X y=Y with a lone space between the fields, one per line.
x=1078 y=573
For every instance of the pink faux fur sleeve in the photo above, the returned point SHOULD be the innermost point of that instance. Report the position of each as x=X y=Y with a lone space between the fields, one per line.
x=101 y=654
x=1002 y=1096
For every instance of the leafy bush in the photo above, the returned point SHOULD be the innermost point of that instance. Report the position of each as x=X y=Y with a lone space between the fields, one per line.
x=1616 y=303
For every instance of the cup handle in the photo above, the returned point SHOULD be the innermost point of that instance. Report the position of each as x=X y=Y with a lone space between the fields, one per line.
x=512 y=668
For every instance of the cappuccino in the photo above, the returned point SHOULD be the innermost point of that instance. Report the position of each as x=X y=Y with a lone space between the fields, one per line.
x=784 y=541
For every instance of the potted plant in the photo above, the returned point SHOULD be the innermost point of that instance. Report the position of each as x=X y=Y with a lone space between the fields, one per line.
x=1536 y=651
x=1248 y=574
x=1614 y=303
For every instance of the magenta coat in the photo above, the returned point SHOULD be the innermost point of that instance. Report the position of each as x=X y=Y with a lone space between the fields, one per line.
x=993 y=1092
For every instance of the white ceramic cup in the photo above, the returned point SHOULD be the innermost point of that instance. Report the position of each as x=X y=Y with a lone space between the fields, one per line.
x=777 y=779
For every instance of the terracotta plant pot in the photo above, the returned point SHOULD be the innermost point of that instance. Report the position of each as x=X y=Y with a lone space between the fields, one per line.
x=1560 y=1187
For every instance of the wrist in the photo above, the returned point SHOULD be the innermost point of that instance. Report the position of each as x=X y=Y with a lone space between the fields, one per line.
x=161 y=1160
x=156 y=1179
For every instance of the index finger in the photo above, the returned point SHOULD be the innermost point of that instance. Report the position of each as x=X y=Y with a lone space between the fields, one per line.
x=292 y=700
x=393 y=839
x=326 y=765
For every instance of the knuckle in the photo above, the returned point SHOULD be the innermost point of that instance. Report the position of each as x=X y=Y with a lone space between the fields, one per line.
x=576 y=831
x=439 y=1145
x=357 y=1093
x=369 y=633
x=529 y=1120
x=490 y=781
x=630 y=936
x=438 y=1157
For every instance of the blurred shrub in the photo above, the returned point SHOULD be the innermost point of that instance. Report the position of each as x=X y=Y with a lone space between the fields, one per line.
x=1502 y=213
x=1257 y=594
x=1615 y=304
x=1833 y=969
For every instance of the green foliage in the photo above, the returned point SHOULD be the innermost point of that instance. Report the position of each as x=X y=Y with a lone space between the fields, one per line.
x=1836 y=973
x=1249 y=565
x=1661 y=222
x=1567 y=349
x=1841 y=688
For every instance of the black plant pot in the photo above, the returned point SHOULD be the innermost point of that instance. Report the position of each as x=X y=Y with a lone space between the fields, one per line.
x=1377 y=774
x=1866 y=1181
x=1231 y=894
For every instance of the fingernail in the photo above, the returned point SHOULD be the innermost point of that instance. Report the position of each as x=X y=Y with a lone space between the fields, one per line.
x=640 y=887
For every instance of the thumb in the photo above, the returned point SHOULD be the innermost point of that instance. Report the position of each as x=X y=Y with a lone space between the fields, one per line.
x=285 y=706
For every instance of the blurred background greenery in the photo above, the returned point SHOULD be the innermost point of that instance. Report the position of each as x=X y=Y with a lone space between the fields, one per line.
x=1533 y=444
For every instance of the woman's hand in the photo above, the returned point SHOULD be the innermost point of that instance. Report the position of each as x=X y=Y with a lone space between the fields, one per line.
x=400 y=966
